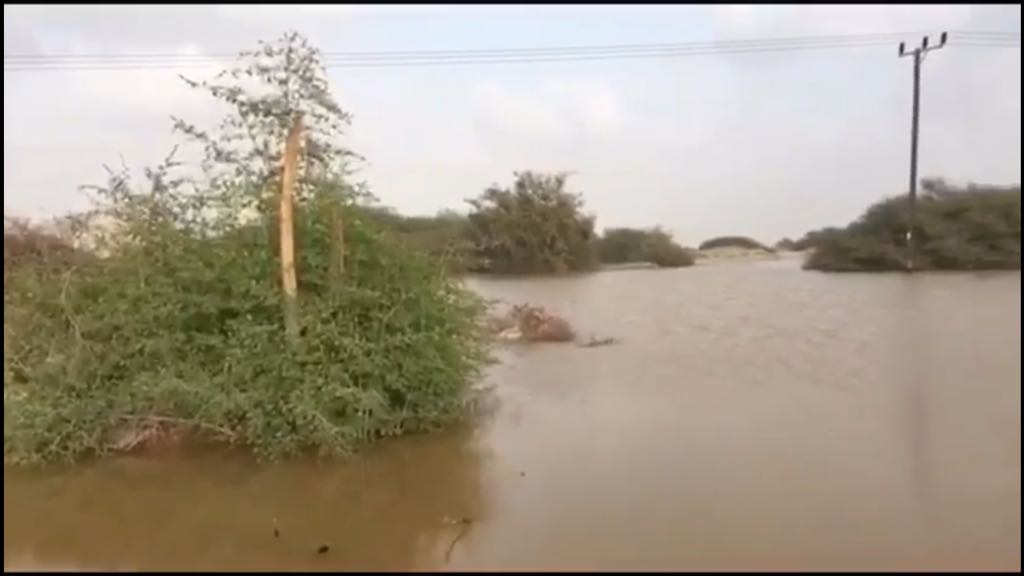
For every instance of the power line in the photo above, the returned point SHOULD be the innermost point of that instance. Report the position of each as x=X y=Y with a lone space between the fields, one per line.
x=502 y=59
x=474 y=52
x=43 y=62
x=986 y=44
x=372 y=55
x=985 y=33
x=612 y=56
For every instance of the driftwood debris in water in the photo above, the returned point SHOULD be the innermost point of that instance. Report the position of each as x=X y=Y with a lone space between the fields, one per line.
x=594 y=342
x=527 y=323
x=531 y=324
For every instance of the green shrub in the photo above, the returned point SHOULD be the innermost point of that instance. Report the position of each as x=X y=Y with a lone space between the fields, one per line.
x=628 y=245
x=972 y=228
x=670 y=255
x=444 y=237
x=184 y=326
x=535 y=227
x=174 y=323
x=623 y=246
x=813 y=238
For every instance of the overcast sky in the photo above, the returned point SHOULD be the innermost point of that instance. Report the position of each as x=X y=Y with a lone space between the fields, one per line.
x=768 y=145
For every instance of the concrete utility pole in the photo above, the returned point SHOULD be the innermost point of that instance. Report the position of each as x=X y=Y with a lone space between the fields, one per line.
x=918 y=55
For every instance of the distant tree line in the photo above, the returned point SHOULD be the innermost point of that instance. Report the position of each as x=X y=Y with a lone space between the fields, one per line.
x=536 y=226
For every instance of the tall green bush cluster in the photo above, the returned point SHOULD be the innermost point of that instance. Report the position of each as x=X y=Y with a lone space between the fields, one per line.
x=627 y=245
x=537 y=226
x=967 y=228
x=174 y=322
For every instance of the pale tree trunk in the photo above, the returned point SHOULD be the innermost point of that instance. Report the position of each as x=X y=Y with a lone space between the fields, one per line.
x=289 y=281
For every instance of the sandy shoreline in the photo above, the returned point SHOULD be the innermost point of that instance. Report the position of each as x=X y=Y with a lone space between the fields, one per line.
x=717 y=256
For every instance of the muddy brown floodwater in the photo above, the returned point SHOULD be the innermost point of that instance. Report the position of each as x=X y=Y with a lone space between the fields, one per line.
x=752 y=416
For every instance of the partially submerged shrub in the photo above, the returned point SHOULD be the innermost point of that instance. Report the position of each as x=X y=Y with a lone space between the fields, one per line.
x=663 y=252
x=972 y=228
x=177 y=324
x=536 y=226
x=524 y=322
x=187 y=328
x=629 y=245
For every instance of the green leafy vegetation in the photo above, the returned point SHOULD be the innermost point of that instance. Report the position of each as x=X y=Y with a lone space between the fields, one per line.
x=733 y=242
x=810 y=240
x=444 y=237
x=971 y=228
x=629 y=245
x=535 y=227
x=171 y=322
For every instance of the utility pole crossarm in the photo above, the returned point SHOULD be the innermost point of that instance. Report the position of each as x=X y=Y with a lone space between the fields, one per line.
x=918 y=55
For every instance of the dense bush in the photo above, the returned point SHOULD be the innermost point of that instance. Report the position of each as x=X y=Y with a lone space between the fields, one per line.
x=178 y=327
x=627 y=245
x=811 y=239
x=444 y=237
x=733 y=242
x=668 y=254
x=534 y=227
x=185 y=326
x=29 y=246
x=971 y=228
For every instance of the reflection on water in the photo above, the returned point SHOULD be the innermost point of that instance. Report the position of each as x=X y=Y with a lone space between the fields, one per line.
x=753 y=416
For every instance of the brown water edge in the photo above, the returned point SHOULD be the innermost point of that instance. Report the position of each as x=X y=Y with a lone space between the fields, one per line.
x=389 y=508
x=752 y=416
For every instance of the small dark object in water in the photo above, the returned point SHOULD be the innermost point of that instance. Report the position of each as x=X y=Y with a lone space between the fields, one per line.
x=523 y=474
x=276 y=533
x=323 y=549
x=594 y=342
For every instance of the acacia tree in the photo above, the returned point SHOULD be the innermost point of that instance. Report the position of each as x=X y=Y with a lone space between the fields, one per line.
x=266 y=89
x=269 y=89
x=536 y=226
